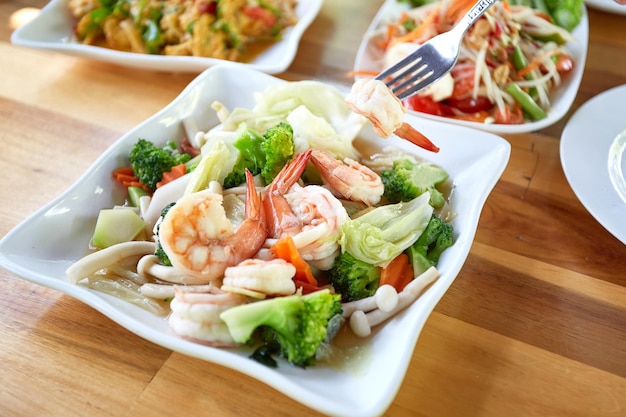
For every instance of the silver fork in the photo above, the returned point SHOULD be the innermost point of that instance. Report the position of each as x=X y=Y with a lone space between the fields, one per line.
x=431 y=60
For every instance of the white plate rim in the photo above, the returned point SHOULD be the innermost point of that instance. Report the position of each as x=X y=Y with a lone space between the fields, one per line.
x=51 y=30
x=608 y=6
x=488 y=155
x=585 y=143
x=562 y=99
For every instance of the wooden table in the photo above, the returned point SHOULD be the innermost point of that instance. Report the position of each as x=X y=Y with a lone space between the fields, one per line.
x=534 y=325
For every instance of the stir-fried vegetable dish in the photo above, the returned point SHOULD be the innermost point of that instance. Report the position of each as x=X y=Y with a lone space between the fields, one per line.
x=273 y=229
x=512 y=59
x=222 y=29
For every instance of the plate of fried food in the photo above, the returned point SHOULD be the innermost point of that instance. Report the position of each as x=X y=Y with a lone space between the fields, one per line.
x=518 y=71
x=173 y=35
x=263 y=225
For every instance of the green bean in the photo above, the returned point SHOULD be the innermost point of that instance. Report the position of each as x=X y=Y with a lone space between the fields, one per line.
x=534 y=111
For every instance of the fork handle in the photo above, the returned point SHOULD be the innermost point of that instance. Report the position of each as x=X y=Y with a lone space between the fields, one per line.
x=474 y=14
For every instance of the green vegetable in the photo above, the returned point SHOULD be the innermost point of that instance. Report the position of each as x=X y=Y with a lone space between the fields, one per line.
x=134 y=194
x=407 y=180
x=566 y=13
x=518 y=58
x=278 y=146
x=116 y=226
x=383 y=233
x=152 y=37
x=160 y=253
x=427 y=249
x=265 y=155
x=209 y=168
x=353 y=278
x=519 y=62
x=294 y=326
x=301 y=104
x=532 y=109
x=149 y=161
x=93 y=22
x=416 y=3
x=541 y=6
x=251 y=156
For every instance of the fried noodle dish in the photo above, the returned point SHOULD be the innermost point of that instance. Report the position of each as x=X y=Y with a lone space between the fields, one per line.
x=222 y=29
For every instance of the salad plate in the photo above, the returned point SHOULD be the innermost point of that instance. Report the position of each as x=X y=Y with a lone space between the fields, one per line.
x=52 y=30
x=369 y=58
x=609 y=6
x=44 y=245
x=597 y=172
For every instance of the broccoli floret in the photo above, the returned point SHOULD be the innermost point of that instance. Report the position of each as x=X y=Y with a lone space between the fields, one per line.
x=353 y=278
x=296 y=325
x=261 y=154
x=149 y=161
x=407 y=180
x=279 y=147
x=160 y=253
x=427 y=249
x=251 y=156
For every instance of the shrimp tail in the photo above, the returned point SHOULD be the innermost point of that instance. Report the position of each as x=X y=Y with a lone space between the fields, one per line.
x=407 y=132
x=254 y=204
x=278 y=213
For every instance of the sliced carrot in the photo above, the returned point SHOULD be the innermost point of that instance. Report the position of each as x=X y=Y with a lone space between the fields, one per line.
x=391 y=32
x=124 y=171
x=420 y=31
x=398 y=273
x=177 y=171
x=306 y=287
x=286 y=249
x=458 y=8
x=362 y=73
x=127 y=178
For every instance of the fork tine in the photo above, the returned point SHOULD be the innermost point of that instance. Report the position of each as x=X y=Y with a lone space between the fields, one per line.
x=437 y=56
x=420 y=84
x=408 y=77
x=413 y=57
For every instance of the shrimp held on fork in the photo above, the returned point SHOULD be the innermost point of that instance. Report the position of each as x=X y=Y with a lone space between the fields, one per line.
x=202 y=242
x=349 y=178
x=374 y=100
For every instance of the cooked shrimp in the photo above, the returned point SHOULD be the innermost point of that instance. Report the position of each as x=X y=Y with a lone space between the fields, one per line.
x=374 y=100
x=279 y=215
x=312 y=215
x=202 y=242
x=196 y=314
x=322 y=215
x=349 y=178
x=259 y=278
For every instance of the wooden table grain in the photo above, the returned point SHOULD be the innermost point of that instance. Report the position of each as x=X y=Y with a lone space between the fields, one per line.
x=534 y=325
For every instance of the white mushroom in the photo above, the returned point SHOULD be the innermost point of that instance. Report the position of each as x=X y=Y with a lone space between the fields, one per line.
x=103 y=258
x=362 y=320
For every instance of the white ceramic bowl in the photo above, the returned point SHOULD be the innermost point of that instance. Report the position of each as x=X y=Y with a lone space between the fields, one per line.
x=42 y=247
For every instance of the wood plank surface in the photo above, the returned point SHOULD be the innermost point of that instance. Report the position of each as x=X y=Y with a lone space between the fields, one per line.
x=534 y=324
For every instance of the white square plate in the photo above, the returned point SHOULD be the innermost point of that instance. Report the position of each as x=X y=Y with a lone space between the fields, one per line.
x=369 y=58
x=42 y=247
x=52 y=30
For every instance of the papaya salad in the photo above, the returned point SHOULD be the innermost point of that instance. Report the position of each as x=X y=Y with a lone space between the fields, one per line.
x=273 y=230
x=222 y=29
x=512 y=59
